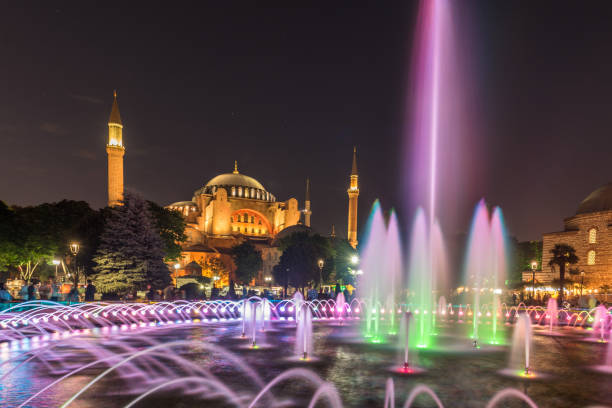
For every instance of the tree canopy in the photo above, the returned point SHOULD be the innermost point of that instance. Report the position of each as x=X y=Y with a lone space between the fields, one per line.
x=171 y=227
x=248 y=262
x=131 y=251
x=562 y=255
x=299 y=263
x=32 y=236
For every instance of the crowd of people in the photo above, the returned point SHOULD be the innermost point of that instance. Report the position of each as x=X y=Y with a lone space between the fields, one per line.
x=56 y=292
x=51 y=290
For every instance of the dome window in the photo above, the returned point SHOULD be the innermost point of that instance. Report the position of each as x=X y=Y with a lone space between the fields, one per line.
x=233 y=191
x=591 y=257
x=593 y=236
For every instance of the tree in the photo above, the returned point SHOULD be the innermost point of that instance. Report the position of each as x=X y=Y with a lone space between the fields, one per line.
x=562 y=255
x=248 y=262
x=343 y=261
x=32 y=236
x=296 y=267
x=8 y=233
x=301 y=254
x=131 y=251
x=171 y=227
x=214 y=266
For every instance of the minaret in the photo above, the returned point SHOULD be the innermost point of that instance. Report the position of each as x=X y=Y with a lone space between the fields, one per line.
x=115 y=151
x=353 y=194
x=307 y=211
x=333 y=232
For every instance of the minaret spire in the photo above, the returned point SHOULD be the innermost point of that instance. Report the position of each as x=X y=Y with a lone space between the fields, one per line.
x=353 y=194
x=115 y=117
x=235 y=167
x=354 y=168
x=307 y=211
x=115 y=152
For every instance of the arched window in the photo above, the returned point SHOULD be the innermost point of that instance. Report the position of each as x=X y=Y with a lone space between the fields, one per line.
x=233 y=191
x=593 y=236
x=591 y=257
x=252 y=220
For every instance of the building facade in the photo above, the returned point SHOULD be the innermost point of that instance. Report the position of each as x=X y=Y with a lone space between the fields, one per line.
x=589 y=232
x=229 y=209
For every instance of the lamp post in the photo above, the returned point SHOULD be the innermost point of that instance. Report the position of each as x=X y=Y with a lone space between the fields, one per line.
x=321 y=263
x=581 y=282
x=534 y=266
x=74 y=249
x=56 y=262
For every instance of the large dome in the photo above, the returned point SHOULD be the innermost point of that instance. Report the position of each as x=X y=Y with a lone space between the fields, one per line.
x=598 y=200
x=236 y=185
x=232 y=179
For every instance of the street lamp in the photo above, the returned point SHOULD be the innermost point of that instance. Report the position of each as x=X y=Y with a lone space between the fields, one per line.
x=269 y=280
x=534 y=266
x=581 y=282
x=56 y=262
x=74 y=249
x=354 y=259
x=321 y=263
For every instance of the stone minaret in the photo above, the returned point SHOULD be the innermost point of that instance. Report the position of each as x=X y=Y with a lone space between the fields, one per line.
x=353 y=194
x=307 y=211
x=115 y=151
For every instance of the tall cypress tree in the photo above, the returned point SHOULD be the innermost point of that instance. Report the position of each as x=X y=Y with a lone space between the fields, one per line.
x=131 y=252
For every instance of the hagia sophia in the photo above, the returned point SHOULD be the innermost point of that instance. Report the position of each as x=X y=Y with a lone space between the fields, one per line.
x=229 y=209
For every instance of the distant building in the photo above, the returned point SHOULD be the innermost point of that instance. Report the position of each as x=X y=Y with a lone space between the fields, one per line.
x=229 y=209
x=589 y=232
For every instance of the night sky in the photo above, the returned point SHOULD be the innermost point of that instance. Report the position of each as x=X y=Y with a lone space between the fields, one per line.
x=287 y=91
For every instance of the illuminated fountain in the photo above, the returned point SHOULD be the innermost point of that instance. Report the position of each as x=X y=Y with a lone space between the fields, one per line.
x=552 y=314
x=407 y=364
x=520 y=355
x=303 y=335
x=376 y=283
x=486 y=270
x=393 y=267
x=340 y=308
x=606 y=368
x=600 y=323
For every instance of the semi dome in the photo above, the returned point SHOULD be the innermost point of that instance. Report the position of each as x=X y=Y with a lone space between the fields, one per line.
x=236 y=185
x=598 y=200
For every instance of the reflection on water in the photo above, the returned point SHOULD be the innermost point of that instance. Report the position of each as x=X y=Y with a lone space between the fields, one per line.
x=359 y=371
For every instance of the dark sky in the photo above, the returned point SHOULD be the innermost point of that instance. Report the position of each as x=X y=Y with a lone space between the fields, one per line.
x=287 y=91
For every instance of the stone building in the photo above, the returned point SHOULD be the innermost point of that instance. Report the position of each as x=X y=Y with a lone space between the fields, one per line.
x=589 y=232
x=229 y=209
